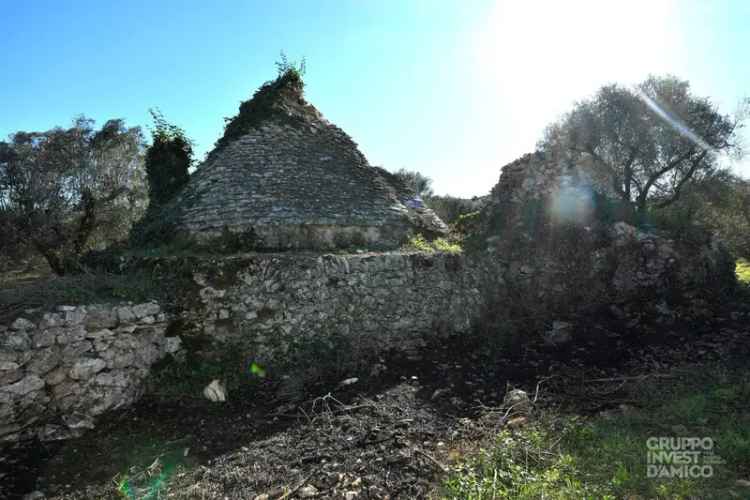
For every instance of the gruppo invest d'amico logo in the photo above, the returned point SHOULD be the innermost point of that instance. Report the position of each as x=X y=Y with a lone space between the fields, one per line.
x=681 y=457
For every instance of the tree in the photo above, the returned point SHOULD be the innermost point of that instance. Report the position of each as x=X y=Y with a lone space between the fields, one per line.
x=168 y=160
x=420 y=184
x=450 y=208
x=719 y=203
x=58 y=187
x=651 y=140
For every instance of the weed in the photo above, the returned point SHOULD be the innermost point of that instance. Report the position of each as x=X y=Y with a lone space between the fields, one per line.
x=568 y=457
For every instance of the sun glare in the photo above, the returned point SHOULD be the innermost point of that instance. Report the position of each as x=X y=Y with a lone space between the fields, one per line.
x=535 y=58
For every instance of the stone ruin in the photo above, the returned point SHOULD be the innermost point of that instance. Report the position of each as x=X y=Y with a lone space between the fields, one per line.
x=552 y=247
x=557 y=245
x=286 y=178
x=60 y=370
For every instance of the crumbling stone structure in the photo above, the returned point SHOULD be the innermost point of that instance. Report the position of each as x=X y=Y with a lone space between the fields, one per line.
x=273 y=304
x=284 y=177
x=557 y=243
x=62 y=369
x=59 y=371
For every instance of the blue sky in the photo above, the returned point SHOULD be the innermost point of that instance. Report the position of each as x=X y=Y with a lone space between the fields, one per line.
x=454 y=89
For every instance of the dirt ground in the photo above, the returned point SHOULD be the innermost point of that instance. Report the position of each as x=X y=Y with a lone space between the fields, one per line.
x=390 y=435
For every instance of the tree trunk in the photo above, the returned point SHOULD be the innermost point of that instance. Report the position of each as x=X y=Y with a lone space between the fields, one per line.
x=86 y=224
x=56 y=263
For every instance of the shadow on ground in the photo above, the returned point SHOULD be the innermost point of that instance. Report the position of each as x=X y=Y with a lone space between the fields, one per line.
x=391 y=435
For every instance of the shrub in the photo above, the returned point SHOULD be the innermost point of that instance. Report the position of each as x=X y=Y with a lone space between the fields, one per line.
x=420 y=244
x=168 y=160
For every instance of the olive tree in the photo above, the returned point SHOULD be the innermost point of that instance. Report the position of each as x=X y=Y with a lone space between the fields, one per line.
x=59 y=187
x=420 y=184
x=651 y=140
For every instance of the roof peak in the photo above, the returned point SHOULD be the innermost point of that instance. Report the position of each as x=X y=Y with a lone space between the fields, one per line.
x=280 y=100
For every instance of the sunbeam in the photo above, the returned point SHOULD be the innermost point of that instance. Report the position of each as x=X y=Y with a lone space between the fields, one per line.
x=673 y=121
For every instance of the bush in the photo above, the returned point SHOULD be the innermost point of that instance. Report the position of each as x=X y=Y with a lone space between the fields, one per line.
x=168 y=160
x=450 y=209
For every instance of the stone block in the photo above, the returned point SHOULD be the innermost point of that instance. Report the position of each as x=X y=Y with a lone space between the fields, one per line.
x=100 y=334
x=44 y=338
x=74 y=316
x=25 y=386
x=22 y=324
x=17 y=341
x=125 y=314
x=43 y=361
x=99 y=317
x=146 y=309
x=86 y=368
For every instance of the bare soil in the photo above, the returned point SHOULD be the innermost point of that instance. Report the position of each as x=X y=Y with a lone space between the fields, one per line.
x=391 y=435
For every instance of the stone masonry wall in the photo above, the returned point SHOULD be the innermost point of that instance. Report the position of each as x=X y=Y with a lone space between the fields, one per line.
x=62 y=369
x=271 y=303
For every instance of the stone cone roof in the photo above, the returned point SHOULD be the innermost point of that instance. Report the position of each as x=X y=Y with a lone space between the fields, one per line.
x=298 y=181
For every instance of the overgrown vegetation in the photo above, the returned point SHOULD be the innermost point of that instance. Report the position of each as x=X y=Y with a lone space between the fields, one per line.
x=420 y=244
x=66 y=191
x=650 y=141
x=420 y=184
x=168 y=160
x=719 y=204
x=605 y=457
x=450 y=209
x=288 y=84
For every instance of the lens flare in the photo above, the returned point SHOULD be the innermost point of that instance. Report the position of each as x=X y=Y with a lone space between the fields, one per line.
x=673 y=121
x=572 y=203
x=257 y=370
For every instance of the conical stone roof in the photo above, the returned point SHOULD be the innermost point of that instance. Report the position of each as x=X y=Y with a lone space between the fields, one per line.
x=295 y=180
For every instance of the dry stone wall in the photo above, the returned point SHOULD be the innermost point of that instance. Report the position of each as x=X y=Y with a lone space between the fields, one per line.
x=60 y=370
x=271 y=304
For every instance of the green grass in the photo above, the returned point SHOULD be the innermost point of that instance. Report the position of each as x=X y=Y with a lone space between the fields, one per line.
x=570 y=457
x=743 y=271
x=420 y=244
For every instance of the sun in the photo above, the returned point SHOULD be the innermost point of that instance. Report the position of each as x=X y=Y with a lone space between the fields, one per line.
x=540 y=56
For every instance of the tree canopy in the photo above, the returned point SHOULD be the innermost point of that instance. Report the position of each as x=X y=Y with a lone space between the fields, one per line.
x=60 y=187
x=420 y=184
x=651 y=140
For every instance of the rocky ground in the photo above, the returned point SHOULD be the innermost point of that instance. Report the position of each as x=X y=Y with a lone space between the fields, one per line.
x=392 y=433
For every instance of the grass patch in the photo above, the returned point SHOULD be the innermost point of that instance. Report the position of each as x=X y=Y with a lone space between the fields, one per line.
x=442 y=245
x=570 y=457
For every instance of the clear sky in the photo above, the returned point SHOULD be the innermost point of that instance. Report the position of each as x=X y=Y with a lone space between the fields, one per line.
x=453 y=89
